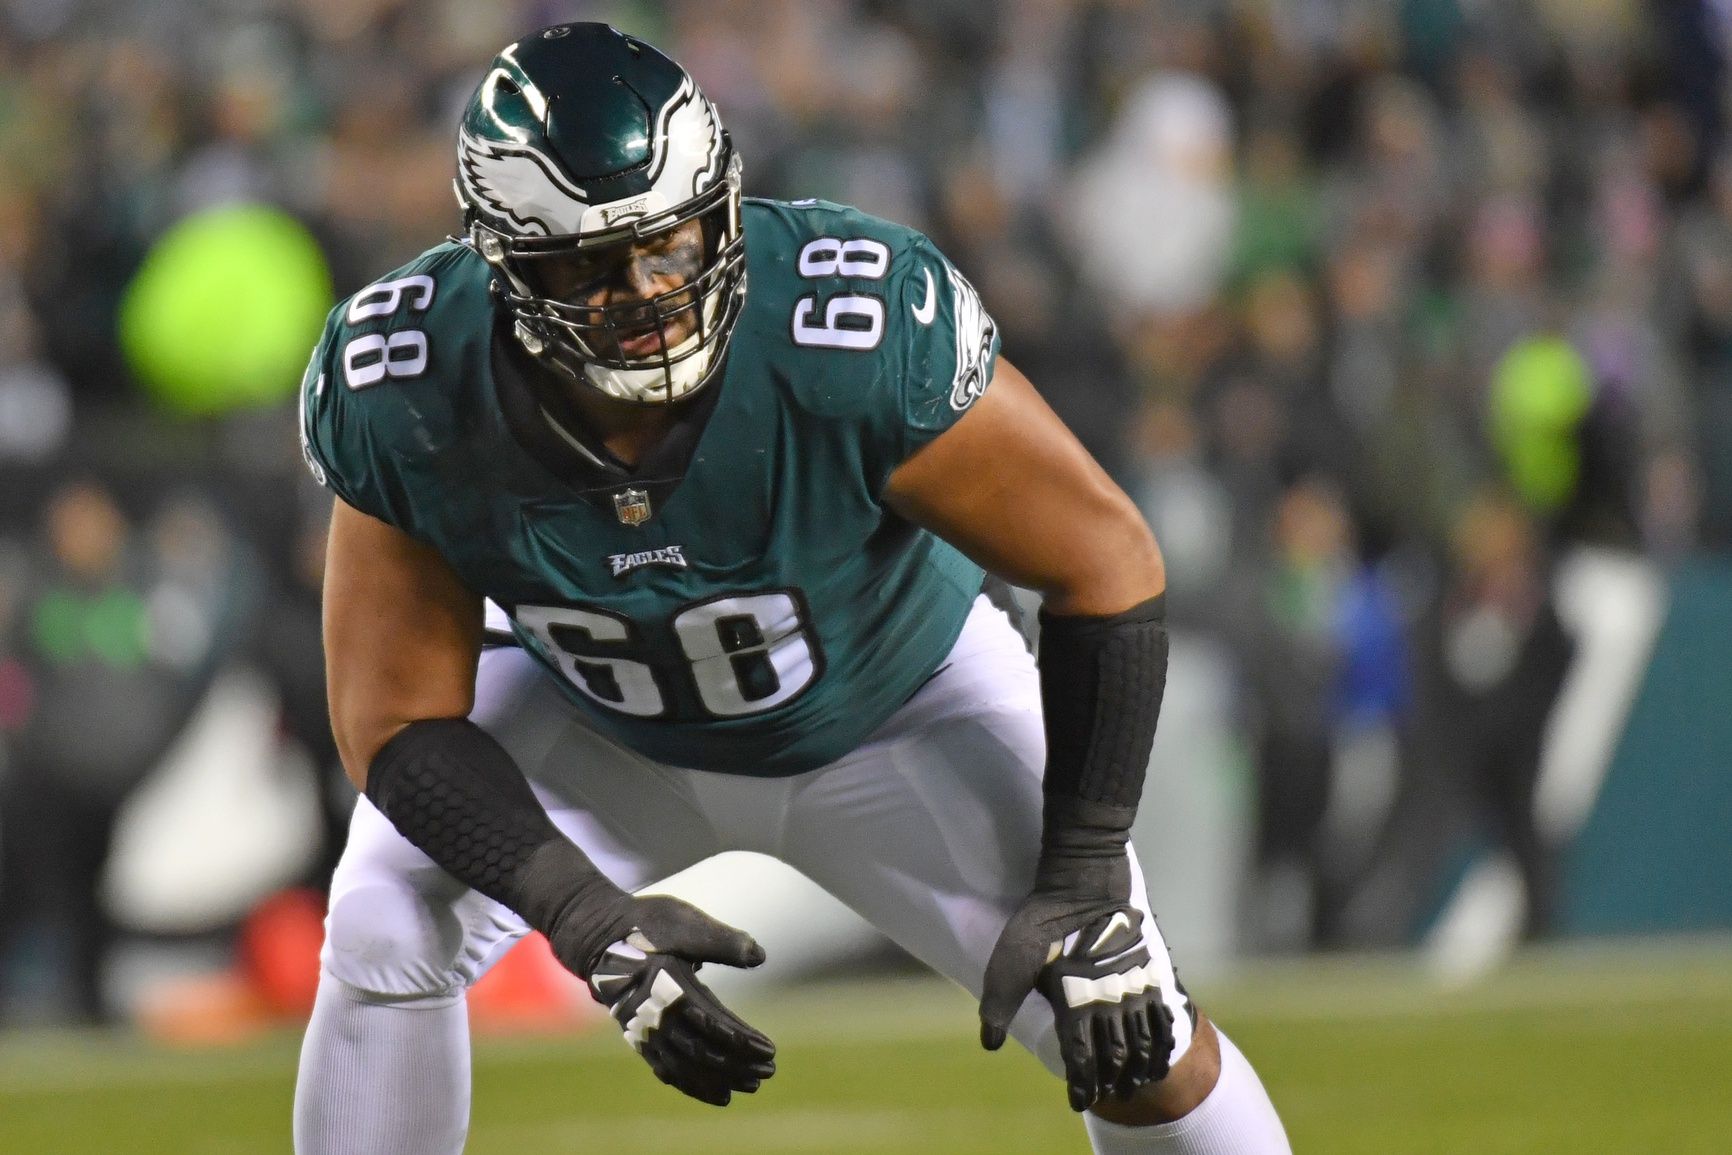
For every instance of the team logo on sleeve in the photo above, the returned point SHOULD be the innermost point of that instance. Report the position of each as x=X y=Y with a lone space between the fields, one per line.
x=974 y=335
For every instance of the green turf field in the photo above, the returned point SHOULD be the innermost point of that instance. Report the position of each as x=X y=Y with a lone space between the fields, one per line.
x=1614 y=1050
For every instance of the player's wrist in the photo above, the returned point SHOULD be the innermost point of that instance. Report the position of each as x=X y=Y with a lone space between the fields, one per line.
x=564 y=896
x=1083 y=849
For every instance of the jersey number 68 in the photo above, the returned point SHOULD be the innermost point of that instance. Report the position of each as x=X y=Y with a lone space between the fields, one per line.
x=741 y=654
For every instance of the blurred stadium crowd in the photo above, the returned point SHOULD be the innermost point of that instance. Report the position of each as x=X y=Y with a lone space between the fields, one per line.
x=1380 y=310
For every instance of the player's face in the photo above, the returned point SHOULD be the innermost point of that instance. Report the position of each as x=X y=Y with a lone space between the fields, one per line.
x=628 y=274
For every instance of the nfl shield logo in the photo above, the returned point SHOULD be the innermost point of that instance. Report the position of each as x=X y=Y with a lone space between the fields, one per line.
x=632 y=506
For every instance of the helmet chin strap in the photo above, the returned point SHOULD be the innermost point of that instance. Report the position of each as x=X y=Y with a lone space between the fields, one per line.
x=657 y=383
x=654 y=384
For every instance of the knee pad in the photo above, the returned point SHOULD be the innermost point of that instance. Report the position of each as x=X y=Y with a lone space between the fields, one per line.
x=388 y=943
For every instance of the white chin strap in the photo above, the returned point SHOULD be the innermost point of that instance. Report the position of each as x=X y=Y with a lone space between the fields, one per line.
x=655 y=383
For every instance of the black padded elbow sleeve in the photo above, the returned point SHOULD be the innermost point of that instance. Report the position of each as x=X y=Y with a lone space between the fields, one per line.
x=1101 y=683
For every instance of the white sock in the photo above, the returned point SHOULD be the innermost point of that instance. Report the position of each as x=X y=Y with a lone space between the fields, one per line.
x=383 y=1078
x=1236 y=1118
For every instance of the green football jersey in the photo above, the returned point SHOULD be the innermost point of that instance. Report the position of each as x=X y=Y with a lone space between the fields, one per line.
x=741 y=600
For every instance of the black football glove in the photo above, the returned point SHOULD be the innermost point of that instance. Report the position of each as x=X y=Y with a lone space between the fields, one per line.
x=451 y=789
x=648 y=981
x=1114 y=1030
x=1088 y=957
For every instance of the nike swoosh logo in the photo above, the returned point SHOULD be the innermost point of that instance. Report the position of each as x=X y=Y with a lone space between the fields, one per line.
x=1118 y=921
x=926 y=311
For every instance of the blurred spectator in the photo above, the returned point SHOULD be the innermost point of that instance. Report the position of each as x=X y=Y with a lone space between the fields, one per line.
x=1491 y=659
x=1322 y=654
x=123 y=626
x=1151 y=212
x=1279 y=210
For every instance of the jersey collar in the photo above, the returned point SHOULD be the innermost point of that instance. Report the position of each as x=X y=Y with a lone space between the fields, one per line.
x=551 y=431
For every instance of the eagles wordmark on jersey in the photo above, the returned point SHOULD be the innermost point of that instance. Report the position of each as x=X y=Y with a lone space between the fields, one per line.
x=740 y=600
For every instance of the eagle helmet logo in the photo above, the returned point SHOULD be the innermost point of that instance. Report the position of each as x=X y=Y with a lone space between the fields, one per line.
x=579 y=143
x=521 y=186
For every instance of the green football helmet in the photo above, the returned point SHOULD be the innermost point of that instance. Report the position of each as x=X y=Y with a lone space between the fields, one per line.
x=587 y=159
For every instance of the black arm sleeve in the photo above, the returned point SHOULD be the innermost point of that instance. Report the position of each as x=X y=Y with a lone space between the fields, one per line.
x=1101 y=683
x=455 y=793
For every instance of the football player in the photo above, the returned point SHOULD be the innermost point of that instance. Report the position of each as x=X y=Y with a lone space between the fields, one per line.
x=732 y=471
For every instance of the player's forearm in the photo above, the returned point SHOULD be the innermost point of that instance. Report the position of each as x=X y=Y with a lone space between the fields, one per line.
x=455 y=793
x=1102 y=681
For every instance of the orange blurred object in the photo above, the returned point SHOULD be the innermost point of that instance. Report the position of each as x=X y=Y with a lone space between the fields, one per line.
x=529 y=991
x=277 y=950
